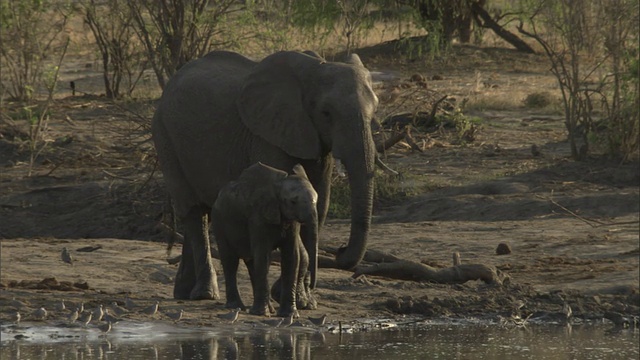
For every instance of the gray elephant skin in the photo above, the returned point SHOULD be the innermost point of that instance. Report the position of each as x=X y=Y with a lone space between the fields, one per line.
x=223 y=112
x=256 y=214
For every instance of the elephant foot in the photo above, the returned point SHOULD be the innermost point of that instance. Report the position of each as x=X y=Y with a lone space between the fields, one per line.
x=288 y=312
x=204 y=290
x=262 y=309
x=306 y=302
x=237 y=304
x=183 y=287
x=181 y=293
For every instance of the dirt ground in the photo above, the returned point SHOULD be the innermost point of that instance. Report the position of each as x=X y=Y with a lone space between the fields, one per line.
x=572 y=226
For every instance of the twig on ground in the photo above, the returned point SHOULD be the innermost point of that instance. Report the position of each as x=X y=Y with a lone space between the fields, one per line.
x=589 y=222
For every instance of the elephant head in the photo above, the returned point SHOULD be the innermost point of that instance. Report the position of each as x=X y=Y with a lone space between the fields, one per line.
x=279 y=197
x=309 y=108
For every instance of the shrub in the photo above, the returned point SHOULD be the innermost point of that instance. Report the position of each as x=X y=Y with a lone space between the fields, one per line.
x=539 y=100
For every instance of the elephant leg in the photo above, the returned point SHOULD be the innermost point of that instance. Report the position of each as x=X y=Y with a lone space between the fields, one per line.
x=304 y=298
x=186 y=276
x=289 y=265
x=196 y=276
x=230 y=264
x=260 y=280
x=250 y=268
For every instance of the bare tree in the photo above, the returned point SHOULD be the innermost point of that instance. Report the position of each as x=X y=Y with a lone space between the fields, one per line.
x=111 y=24
x=586 y=42
x=29 y=34
x=354 y=17
x=174 y=32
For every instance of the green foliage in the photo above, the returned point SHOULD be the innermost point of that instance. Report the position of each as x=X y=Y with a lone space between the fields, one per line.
x=388 y=190
x=29 y=33
x=176 y=32
x=466 y=127
x=313 y=14
x=586 y=43
x=280 y=25
x=538 y=100
x=340 y=204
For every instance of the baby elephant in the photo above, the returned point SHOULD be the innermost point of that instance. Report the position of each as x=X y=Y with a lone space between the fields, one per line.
x=262 y=211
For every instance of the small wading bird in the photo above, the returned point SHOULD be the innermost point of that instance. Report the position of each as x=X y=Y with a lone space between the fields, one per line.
x=151 y=310
x=105 y=328
x=231 y=316
x=287 y=321
x=98 y=313
x=61 y=306
x=107 y=317
x=66 y=256
x=15 y=318
x=73 y=316
x=117 y=310
x=319 y=321
x=176 y=316
x=86 y=318
x=40 y=314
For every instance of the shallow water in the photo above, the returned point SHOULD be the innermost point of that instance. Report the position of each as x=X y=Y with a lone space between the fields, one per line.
x=420 y=341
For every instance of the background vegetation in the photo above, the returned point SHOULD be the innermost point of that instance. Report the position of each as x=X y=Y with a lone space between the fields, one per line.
x=591 y=45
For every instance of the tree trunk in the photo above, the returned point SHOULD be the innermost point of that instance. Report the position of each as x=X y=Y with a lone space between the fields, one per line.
x=508 y=36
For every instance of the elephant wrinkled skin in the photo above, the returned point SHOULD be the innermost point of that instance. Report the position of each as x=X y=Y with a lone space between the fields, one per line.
x=223 y=112
x=256 y=214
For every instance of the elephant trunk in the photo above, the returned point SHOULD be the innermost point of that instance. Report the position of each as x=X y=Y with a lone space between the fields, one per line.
x=360 y=168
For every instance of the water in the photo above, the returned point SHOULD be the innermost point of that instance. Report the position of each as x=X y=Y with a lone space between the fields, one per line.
x=162 y=341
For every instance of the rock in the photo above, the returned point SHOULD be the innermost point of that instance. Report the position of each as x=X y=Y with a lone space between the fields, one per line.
x=503 y=249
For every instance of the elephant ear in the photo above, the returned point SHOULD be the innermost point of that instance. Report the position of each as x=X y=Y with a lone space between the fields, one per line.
x=270 y=210
x=261 y=180
x=271 y=103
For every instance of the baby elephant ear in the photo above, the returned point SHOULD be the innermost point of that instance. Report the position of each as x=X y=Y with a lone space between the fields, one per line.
x=270 y=211
x=299 y=170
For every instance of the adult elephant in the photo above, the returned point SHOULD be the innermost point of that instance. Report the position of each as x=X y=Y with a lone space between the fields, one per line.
x=223 y=112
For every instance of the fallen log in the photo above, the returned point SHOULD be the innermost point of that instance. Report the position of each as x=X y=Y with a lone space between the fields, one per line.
x=413 y=271
x=370 y=256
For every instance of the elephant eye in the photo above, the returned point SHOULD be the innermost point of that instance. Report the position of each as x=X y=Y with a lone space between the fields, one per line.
x=326 y=113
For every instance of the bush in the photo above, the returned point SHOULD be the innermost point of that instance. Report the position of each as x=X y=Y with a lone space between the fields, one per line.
x=389 y=190
x=539 y=100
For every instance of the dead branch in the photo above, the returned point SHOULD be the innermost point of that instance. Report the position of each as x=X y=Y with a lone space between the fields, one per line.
x=409 y=139
x=385 y=167
x=484 y=19
x=456 y=259
x=434 y=108
x=589 y=222
x=413 y=271
x=394 y=139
